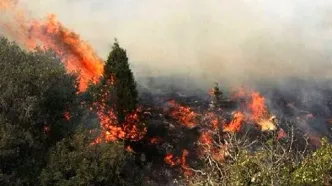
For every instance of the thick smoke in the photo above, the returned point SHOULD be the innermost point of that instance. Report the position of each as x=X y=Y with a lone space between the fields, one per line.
x=232 y=42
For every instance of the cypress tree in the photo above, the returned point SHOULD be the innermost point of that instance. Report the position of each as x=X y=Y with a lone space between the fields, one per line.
x=124 y=85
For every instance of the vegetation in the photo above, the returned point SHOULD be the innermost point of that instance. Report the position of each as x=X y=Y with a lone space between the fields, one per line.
x=74 y=162
x=44 y=141
x=123 y=85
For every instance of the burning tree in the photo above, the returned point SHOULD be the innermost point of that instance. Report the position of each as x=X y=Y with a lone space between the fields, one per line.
x=114 y=99
x=123 y=83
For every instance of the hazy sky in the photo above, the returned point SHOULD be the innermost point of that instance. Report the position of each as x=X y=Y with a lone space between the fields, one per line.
x=215 y=40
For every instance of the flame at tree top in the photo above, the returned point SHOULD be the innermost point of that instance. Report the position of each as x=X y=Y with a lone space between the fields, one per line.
x=77 y=54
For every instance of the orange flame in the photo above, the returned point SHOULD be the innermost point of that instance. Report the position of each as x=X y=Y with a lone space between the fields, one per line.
x=77 y=54
x=207 y=146
x=183 y=114
x=156 y=140
x=130 y=149
x=67 y=116
x=112 y=131
x=235 y=124
x=46 y=129
x=184 y=165
x=206 y=138
x=257 y=106
x=213 y=120
x=171 y=160
x=281 y=134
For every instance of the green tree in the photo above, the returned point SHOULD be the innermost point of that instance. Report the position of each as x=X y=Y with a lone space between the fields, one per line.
x=123 y=85
x=74 y=162
x=315 y=169
x=35 y=93
x=216 y=96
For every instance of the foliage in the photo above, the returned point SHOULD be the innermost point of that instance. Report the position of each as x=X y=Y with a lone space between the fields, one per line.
x=315 y=169
x=36 y=89
x=74 y=161
x=124 y=85
x=266 y=160
x=18 y=155
x=35 y=93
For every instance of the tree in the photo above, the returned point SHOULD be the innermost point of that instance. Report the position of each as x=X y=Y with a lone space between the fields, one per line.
x=123 y=83
x=316 y=168
x=216 y=96
x=74 y=161
x=35 y=93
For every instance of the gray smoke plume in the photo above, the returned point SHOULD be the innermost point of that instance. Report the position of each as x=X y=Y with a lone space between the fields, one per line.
x=192 y=43
x=232 y=42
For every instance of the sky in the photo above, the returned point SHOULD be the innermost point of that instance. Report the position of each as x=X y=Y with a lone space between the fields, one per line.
x=213 y=40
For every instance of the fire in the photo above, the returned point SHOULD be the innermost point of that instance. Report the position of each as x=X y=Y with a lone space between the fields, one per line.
x=172 y=160
x=208 y=146
x=259 y=113
x=112 y=131
x=206 y=138
x=257 y=106
x=235 y=124
x=213 y=120
x=5 y=4
x=281 y=134
x=267 y=124
x=130 y=149
x=183 y=114
x=156 y=140
x=184 y=165
x=67 y=116
x=255 y=111
x=46 y=128
x=77 y=54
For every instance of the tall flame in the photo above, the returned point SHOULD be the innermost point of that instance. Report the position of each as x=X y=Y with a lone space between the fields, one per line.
x=77 y=54
x=257 y=106
x=259 y=113
x=235 y=124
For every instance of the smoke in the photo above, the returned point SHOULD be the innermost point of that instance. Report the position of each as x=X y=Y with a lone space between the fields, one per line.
x=232 y=42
